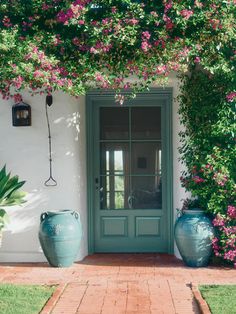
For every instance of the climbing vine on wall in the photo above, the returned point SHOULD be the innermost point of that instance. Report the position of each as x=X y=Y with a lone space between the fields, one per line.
x=208 y=151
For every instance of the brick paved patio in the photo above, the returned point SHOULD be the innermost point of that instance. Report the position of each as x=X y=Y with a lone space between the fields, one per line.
x=121 y=283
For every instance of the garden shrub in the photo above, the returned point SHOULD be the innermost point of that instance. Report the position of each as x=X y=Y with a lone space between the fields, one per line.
x=208 y=151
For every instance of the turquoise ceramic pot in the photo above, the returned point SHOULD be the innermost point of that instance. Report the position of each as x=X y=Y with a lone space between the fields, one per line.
x=60 y=235
x=193 y=234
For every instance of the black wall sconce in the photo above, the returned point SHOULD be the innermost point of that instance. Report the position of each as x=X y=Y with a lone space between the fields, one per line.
x=21 y=114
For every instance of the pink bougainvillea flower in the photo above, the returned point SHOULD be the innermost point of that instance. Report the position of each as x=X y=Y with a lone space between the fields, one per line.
x=230 y=97
x=230 y=255
x=113 y=9
x=17 y=98
x=76 y=41
x=215 y=24
x=145 y=46
x=197 y=60
x=146 y=35
x=218 y=221
x=6 y=22
x=231 y=211
x=93 y=50
x=168 y=6
x=18 y=81
x=161 y=69
x=186 y=13
x=198 y=179
x=168 y=21
x=198 y=4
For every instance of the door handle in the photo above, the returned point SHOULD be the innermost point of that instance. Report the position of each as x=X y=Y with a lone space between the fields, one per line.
x=130 y=201
x=96 y=184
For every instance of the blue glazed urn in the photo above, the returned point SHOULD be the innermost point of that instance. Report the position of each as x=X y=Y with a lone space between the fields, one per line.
x=193 y=235
x=60 y=236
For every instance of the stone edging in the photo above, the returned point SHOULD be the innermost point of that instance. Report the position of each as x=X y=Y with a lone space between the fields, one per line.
x=48 y=307
x=203 y=306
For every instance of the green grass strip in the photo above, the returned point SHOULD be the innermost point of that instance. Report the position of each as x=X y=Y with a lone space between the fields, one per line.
x=220 y=298
x=23 y=299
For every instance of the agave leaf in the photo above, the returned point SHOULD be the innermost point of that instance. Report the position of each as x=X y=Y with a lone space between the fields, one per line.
x=4 y=218
x=18 y=194
x=3 y=183
x=10 y=202
x=3 y=172
x=11 y=182
x=8 y=192
x=2 y=212
x=16 y=198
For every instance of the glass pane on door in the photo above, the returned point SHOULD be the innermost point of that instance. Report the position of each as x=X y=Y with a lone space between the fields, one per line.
x=114 y=123
x=146 y=158
x=114 y=158
x=146 y=123
x=146 y=192
x=130 y=158
x=114 y=192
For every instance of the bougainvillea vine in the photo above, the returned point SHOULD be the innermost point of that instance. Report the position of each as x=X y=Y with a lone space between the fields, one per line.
x=48 y=45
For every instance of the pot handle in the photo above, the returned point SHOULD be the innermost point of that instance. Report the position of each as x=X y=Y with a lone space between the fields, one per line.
x=43 y=216
x=179 y=212
x=76 y=214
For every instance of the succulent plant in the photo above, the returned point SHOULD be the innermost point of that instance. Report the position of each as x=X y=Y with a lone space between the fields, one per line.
x=9 y=194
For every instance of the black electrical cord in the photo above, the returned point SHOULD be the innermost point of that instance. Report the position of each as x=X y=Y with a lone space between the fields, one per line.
x=50 y=181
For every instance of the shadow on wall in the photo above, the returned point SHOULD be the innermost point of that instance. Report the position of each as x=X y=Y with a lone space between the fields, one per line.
x=69 y=157
x=76 y=123
x=22 y=232
x=73 y=121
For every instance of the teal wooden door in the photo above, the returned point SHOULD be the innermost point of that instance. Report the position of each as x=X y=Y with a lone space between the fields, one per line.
x=130 y=176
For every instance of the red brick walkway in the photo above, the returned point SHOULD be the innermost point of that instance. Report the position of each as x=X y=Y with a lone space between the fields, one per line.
x=121 y=283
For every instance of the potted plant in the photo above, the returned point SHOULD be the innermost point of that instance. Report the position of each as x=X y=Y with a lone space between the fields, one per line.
x=193 y=234
x=9 y=195
x=191 y=204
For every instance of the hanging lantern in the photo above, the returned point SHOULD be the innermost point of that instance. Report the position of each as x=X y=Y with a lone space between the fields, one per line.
x=21 y=114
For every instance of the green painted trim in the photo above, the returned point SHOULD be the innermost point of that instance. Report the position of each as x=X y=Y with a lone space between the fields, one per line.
x=169 y=137
x=90 y=175
x=106 y=98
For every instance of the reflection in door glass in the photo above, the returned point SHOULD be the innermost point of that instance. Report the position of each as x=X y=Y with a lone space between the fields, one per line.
x=146 y=192
x=114 y=158
x=146 y=158
x=118 y=160
x=115 y=200
x=112 y=192
x=113 y=183
x=114 y=162
x=107 y=162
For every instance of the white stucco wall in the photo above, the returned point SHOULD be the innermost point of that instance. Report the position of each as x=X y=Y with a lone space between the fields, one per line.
x=25 y=152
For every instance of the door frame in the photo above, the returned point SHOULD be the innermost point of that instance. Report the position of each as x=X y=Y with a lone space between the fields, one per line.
x=154 y=94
